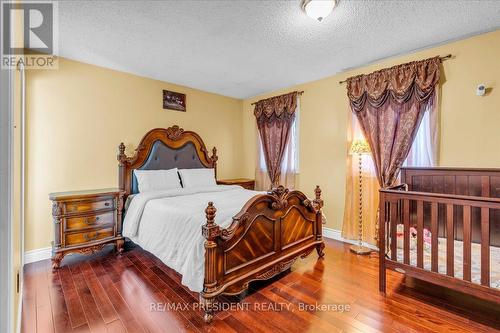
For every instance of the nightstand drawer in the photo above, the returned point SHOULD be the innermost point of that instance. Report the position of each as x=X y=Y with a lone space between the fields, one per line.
x=87 y=206
x=93 y=221
x=89 y=236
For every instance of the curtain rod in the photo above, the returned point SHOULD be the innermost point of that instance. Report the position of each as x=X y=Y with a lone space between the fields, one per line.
x=298 y=92
x=448 y=56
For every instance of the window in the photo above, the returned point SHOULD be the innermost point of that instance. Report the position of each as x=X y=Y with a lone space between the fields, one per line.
x=423 y=152
x=291 y=158
x=290 y=165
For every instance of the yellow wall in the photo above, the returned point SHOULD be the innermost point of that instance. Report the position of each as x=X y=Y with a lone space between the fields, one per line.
x=470 y=125
x=76 y=117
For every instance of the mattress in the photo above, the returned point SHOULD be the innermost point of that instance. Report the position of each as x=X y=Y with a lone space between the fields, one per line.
x=458 y=262
x=168 y=224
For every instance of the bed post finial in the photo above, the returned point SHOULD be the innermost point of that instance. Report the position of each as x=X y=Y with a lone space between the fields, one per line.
x=318 y=201
x=210 y=213
x=121 y=155
x=317 y=191
x=210 y=230
x=214 y=156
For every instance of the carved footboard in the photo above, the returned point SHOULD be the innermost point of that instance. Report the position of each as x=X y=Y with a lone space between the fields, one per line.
x=265 y=238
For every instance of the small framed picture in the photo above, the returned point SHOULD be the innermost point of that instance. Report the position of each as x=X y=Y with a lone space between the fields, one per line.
x=174 y=101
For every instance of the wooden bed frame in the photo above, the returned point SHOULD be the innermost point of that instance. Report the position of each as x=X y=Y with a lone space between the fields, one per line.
x=264 y=239
x=456 y=203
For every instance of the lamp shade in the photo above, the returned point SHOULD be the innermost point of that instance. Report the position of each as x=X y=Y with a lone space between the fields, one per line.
x=318 y=9
x=360 y=147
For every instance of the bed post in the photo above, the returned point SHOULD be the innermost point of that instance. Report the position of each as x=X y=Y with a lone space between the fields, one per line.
x=382 y=238
x=214 y=159
x=210 y=231
x=319 y=222
x=121 y=166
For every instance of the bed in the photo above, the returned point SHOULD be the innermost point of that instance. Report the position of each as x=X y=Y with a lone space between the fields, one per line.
x=442 y=225
x=219 y=238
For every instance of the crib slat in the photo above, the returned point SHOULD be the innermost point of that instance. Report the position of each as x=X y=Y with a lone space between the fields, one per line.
x=394 y=223
x=485 y=186
x=485 y=247
x=387 y=211
x=467 y=244
x=485 y=234
x=450 y=238
x=434 y=235
x=406 y=235
x=382 y=242
x=420 y=234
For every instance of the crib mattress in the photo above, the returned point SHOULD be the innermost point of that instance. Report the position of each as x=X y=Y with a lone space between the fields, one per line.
x=475 y=258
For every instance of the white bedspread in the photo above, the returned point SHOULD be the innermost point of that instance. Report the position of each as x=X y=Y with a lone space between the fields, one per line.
x=168 y=224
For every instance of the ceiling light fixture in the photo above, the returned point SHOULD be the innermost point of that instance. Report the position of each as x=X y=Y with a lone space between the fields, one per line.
x=318 y=9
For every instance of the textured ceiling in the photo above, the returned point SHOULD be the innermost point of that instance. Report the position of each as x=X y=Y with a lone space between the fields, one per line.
x=244 y=48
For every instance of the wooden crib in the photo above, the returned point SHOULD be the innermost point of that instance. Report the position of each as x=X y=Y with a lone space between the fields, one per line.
x=460 y=205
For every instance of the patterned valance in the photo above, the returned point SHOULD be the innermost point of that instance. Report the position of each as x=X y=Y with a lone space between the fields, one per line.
x=416 y=79
x=278 y=107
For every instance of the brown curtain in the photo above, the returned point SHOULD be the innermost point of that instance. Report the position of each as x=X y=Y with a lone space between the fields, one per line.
x=274 y=117
x=389 y=105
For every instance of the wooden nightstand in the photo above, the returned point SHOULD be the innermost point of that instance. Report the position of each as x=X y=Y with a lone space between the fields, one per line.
x=85 y=221
x=249 y=184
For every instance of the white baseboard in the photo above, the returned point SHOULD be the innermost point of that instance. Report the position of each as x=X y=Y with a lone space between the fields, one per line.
x=37 y=255
x=332 y=234
x=337 y=235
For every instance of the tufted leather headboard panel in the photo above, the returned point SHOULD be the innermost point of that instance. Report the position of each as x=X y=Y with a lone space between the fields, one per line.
x=162 y=157
x=163 y=148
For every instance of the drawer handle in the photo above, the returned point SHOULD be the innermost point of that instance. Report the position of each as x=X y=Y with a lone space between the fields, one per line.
x=107 y=204
x=88 y=238
x=90 y=221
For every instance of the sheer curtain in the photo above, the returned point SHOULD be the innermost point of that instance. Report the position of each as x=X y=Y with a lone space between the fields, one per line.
x=424 y=151
x=290 y=165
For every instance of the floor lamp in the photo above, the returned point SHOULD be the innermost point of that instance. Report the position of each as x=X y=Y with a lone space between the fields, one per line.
x=360 y=148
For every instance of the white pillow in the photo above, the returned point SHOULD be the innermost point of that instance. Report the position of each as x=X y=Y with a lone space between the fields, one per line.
x=157 y=180
x=197 y=177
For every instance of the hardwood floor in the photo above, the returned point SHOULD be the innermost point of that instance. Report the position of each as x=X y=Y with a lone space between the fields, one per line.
x=132 y=292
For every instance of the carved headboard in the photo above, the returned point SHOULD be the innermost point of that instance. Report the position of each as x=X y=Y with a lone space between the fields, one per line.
x=160 y=149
